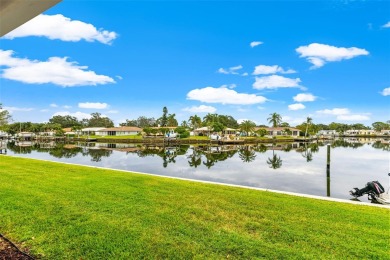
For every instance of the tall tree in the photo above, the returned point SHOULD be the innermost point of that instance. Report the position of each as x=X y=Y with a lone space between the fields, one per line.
x=308 y=122
x=195 y=121
x=5 y=117
x=247 y=126
x=97 y=120
x=171 y=120
x=275 y=119
x=163 y=120
x=210 y=119
x=65 y=121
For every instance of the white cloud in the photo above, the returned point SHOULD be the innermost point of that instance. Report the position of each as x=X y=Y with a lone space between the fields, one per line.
x=318 y=54
x=353 y=117
x=293 y=120
x=229 y=86
x=387 y=25
x=334 y=111
x=386 y=92
x=44 y=110
x=200 y=109
x=297 y=106
x=276 y=81
x=21 y=109
x=61 y=28
x=264 y=69
x=304 y=97
x=254 y=44
x=231 y=70
x=112 y=112
x=344 y=114
x=53 y=105
x=93 y=105
x=67 y=107
x=245 y=74
x=78 y=115
x=224 y=95
x=55 y=70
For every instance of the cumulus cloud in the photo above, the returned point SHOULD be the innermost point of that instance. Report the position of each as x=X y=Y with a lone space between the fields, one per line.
x=231 y=70
x=334 y=111
x=67 y=107
x=293 y=120
x=304 y=97
x=256 y=43
x=264 y=69
x=93 y=105
x=387 y=25
x=55 y=70
x=297 y=106
x=61 y=28
x=276 y=81
x=18 y=109
x=224 y=95
x=353 y=117
x=200 y=109
x=319 y=54
x=386 y=92
x=53 y=105
x=78 y=115
x=112 y=112
x=344 y=114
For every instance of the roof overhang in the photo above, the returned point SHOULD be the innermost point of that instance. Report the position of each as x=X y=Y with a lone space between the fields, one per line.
x=14 y=13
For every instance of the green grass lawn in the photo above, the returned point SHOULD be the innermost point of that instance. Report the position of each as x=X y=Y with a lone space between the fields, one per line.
x=71 y=212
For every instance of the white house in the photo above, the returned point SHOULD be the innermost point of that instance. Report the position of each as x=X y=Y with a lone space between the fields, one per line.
x=359 y=132
x=385 y=132
x=279 y=131
x=91 y=130
x=327 y=133
x=118 y=131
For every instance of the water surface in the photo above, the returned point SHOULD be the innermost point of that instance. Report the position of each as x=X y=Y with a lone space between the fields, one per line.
x=294 y=167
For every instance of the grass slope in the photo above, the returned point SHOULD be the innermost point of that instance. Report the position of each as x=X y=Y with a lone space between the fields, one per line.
x=73 y=212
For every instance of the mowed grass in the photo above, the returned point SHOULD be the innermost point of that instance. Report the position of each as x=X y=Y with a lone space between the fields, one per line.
x=63 y=211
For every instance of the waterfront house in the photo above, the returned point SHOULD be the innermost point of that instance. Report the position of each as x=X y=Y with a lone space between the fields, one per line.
x=280 y=131
x=119 y=131
x=91 y=130
x=359 y=132
x=27 y=136
x=385 y=132
x=327 y=133
x=202 y=131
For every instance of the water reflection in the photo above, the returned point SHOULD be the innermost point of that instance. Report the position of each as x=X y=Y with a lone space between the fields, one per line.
x=294 y=167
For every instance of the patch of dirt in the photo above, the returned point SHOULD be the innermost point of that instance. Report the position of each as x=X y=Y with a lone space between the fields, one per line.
x=10 y=252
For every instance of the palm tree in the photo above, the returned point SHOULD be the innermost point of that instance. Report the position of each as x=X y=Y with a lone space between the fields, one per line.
x=308 y=121
x=209 y=119
x=247 y=126
x=275 y=119
x=195 y=121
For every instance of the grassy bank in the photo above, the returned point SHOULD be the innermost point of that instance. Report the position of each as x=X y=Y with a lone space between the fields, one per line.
x=72 y=212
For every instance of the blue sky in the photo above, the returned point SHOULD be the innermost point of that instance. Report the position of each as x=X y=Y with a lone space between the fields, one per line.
x=329 y=60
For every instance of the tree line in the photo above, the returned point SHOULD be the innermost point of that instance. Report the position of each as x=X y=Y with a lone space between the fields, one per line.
x=215 y=122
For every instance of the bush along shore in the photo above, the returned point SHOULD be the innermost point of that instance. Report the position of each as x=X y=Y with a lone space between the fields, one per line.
x=62 y=211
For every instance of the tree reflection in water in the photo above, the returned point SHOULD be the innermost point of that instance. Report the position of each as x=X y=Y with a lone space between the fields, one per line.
x=207 y=155
x=246 y=154
x=274 y=162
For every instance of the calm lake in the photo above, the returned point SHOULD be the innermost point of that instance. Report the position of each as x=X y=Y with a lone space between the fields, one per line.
x=292 y=167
